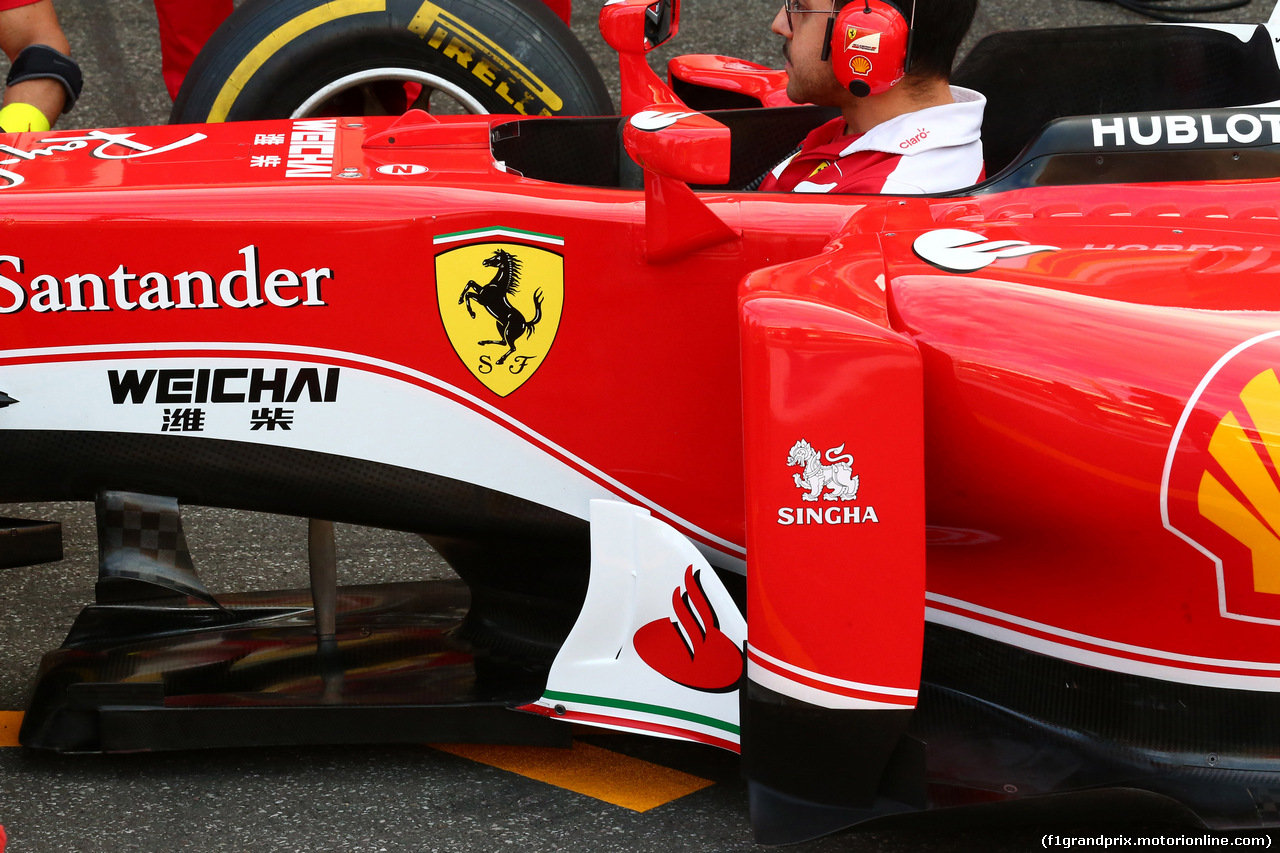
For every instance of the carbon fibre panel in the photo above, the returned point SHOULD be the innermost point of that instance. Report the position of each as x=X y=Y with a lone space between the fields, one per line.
x=183 y=675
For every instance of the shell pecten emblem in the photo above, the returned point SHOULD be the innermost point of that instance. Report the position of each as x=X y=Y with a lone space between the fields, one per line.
x=1220 y=490
x=1242 y=498
x=500 y=301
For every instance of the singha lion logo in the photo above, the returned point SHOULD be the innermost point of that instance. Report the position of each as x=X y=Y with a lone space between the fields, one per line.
x=493 y=297
x=837 y=476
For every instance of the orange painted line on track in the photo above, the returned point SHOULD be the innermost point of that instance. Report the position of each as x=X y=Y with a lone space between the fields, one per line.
x=10 y=722
x=585 y=769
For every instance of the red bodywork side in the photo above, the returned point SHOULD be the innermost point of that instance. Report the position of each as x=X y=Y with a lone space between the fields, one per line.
x=1067 y=449
x=1065 y=423
x=828 y=559
x=639 y=388
x=1075 y=399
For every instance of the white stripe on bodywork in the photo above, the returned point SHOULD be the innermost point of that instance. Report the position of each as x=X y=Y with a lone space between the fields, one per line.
x=834 y=682
x=376 y=418
x=837 y=701
x=1107 y=654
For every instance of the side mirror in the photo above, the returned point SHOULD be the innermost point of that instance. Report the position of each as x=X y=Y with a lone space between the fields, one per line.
x=633 y=28
x=676 y=145
x=680 y=144
x=638 y=26
x=662 y=21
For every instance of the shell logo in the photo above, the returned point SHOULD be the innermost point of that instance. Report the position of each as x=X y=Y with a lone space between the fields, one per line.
x=1221 y=487
x=1247 y=504
x=860 y=65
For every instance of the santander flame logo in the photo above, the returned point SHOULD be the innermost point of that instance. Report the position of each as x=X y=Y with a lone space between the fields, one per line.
x=691 y=650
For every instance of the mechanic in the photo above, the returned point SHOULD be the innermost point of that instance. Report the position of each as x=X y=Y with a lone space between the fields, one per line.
x=904 y=130
x=44 y=81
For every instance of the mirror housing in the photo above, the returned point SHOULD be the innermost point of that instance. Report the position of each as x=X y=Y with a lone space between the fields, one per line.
x=676 y=145
x=633 y=28
x=638 y=26
x=681 y=144
x=672 y=143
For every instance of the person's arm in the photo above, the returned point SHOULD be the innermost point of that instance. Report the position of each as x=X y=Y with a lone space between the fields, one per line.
x=20 y=28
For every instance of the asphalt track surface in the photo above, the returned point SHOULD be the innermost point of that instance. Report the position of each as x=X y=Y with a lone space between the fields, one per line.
x=611 y=793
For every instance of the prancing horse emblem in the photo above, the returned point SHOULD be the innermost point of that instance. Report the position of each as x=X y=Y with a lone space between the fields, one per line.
x=494 y=298
x=526 y=318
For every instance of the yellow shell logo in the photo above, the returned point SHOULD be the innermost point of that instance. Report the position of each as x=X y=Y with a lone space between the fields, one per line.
x=500 y=302
x=1247 y=505
x=860 y=65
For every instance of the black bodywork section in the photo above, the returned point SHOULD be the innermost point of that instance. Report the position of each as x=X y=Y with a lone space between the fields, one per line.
x=588 y=151
x=518 y=558
x=1003 y=723
x=181 y=674
x=160 y=662
x=24 y=542
x=997 y=723
x=1031 y=77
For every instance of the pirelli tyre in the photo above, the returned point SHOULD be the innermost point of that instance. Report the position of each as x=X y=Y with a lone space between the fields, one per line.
x=295 y=58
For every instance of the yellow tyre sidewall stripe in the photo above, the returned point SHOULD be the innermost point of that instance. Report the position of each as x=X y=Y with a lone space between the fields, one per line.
x=429 y=13
x=281 y=36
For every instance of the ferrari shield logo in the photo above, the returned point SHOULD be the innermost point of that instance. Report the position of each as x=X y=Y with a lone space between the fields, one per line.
x=866 y=42
x=500 y=302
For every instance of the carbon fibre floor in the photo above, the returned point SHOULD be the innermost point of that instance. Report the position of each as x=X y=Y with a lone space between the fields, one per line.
x=587 y=769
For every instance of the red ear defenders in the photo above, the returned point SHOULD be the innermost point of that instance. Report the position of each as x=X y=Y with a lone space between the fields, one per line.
x=869 y=45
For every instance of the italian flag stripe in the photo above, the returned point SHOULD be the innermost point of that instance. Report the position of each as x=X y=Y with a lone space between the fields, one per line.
x=644 y=707
x=516 y=233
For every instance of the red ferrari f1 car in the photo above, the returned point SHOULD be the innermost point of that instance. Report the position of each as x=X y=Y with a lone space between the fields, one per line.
x=913 y=501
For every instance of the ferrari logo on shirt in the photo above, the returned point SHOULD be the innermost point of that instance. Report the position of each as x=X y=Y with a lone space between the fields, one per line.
x=865 y=42
x=500 y=302
x=824 y=164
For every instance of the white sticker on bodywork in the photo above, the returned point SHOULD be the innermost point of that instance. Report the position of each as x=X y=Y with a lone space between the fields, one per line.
x=658 y=646
x=963 y=251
